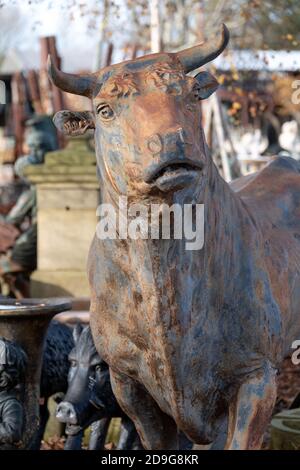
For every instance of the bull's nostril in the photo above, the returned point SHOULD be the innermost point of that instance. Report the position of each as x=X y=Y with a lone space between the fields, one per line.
x=155 y=143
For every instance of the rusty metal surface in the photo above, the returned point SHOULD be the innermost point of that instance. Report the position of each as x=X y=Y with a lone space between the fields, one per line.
x=25 y=322
x=193 y=338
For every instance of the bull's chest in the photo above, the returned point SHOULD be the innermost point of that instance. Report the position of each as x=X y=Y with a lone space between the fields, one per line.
x=143 y=309
x=150 y=322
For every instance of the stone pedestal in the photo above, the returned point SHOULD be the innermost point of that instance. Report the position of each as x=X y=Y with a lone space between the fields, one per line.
x=67 y=199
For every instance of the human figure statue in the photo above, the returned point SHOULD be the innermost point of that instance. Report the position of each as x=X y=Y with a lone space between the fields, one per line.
x=40 y=138
x=13 y=361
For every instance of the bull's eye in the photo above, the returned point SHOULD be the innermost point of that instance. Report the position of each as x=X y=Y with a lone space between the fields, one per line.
x=105 y=112
x=197 y=92
x=166 y=76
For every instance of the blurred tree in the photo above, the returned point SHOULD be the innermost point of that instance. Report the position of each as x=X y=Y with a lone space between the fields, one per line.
x=271 y=25
x=254 y=24
x=10 y=21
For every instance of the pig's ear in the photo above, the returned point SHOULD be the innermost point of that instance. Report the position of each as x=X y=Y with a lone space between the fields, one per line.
x=207 y=85
x=77 y=332
x=74 y=123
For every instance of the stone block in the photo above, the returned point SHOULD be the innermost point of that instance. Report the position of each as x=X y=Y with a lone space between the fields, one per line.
x=59 y=284
x=67 y=200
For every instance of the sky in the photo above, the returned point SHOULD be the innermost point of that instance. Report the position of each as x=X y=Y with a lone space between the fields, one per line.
x=76 y=28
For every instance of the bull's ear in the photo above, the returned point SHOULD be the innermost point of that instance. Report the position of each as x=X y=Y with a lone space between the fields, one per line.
x=74 y=123
x=207 y=85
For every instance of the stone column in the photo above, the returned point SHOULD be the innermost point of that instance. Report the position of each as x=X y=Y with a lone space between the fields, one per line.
x=67 y=199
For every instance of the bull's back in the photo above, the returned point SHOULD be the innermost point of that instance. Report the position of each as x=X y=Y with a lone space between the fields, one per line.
x=272 y=195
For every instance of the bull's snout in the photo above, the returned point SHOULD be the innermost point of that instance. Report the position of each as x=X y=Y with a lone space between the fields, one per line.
x=65 y=413
x=173 y=166
x=172 y=141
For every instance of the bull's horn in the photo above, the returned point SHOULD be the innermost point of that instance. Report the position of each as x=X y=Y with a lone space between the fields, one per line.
x=197 y=56
x=76 y=84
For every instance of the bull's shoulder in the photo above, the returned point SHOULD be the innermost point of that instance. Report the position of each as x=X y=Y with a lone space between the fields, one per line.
x=283 y=170
x=274 y=191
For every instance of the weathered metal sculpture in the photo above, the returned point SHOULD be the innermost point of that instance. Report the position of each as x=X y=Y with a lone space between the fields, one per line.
x=54 y=376
x=24 y=324
x=90 y=399
x=193 y=338
x=13 y=361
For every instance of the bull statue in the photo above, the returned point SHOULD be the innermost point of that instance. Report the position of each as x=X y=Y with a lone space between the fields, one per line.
x=193 y=338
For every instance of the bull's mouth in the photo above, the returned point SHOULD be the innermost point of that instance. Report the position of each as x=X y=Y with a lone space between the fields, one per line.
x=174 y=175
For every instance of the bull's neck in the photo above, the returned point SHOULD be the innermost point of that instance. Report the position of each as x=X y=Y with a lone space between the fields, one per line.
x=227 y=227
x=229 y=231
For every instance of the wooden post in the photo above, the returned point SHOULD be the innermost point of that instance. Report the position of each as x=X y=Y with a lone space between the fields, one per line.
x=54 y=96
x=44 y=83
x=200 y=15
x=19 y=98
x=58 y=103
x=155 y=26
x=109 y=53
x=221 y=137
x=34 y=91
x=207 y=114
x=99 y=62
x=134 y=51
x=44 y=51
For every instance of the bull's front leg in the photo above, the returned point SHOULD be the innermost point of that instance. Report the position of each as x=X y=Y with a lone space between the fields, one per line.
x=156 y=429
x=251 y=411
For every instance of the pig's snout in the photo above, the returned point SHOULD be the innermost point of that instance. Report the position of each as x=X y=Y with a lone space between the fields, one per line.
x=65 y=413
